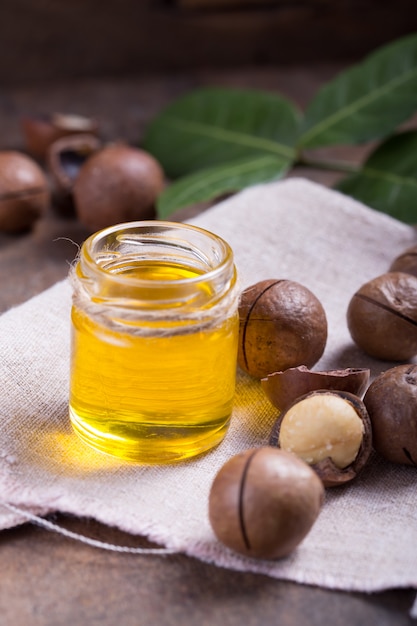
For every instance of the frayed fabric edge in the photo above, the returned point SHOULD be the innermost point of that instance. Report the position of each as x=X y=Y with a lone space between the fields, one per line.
x=52 y=527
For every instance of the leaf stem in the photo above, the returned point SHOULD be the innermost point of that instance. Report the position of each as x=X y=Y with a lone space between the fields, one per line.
x=322 y=164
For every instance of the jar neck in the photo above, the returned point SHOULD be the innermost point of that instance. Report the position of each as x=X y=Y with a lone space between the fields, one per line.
x=151 y=267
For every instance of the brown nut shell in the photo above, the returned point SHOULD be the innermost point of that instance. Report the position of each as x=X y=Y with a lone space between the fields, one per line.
x=330 y=474
x=263 y=502
x=391 y=401
x=117 y=184
x=282 y=325
x=283 y=388
x=406 y=262
x=65 y=157
x=382 y=317
x=24 y=192
x=41 y=131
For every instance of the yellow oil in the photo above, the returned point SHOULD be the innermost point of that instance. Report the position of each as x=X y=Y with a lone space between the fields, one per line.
x=152 y=399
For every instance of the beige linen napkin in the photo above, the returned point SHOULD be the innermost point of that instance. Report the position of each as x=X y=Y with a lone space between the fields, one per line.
x=366 y=536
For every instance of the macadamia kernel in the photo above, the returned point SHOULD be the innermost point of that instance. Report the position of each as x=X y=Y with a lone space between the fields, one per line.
x=322 y=426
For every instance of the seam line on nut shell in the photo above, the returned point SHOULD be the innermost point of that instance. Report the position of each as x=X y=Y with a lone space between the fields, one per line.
x=241 y=493
x=409 y=457
x=30 y=191
x=386 y=308
x=250 y=313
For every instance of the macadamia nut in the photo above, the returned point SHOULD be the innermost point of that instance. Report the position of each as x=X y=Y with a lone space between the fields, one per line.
x=391 y=401
x=328 y=429
x=382 y=317
x=118 y=183
x=263 y=502
x=24 y=192
x=282 y=325
x=322 y=426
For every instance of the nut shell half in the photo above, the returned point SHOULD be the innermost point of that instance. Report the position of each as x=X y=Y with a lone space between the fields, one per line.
x=41 y=131
x=283 y=388
x=65 y=157
x=327 y=470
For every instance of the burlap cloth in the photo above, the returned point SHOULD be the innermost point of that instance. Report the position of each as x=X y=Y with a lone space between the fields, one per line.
x=366 y=536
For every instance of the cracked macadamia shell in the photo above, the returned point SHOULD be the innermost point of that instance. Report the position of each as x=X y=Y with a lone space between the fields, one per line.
x=282 y=325
x=41 y=131
x=283 y=388
x=64 y=159
x=328 y=429
x=117 y=184
x=391 y=401
x=263 y=502
x=24 y=192
x=382 y=317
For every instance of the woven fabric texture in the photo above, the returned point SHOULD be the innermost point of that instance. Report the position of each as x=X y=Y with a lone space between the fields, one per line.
x=365 y=538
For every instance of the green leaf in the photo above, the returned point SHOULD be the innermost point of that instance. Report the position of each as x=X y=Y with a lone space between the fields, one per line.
x=212 y=126
x=367 y=101
x=211 y=182
x=388 y=179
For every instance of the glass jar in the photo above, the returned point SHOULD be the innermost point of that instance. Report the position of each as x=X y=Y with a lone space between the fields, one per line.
x=154 y=341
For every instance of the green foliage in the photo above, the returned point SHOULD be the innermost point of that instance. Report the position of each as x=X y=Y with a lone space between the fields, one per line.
x=388 y=179
x=214 y=181
x=367 y=101
x=222 y=140
x=212 y=126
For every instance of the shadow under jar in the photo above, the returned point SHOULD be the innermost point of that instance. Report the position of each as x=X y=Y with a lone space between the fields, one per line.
x=154 y=341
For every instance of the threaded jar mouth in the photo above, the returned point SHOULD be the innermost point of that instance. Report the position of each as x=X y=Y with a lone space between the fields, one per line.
x=112 y=266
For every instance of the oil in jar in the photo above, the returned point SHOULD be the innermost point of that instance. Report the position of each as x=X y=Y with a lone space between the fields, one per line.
x=156 y=391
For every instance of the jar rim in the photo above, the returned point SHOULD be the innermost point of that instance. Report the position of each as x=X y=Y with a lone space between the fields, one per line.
x=156 y=228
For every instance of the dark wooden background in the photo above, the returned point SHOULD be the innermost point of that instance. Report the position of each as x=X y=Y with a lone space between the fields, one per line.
x=122 y=62
x=59 y=40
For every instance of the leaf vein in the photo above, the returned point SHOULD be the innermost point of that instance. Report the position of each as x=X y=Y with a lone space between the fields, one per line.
x=388 y=176
x=219 y=175
x=231 y=136
x=356 y=105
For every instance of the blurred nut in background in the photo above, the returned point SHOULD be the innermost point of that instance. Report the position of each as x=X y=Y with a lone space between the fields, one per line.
x=24 y=192
x=117 y=184
x=65 y=158
x=41 y=131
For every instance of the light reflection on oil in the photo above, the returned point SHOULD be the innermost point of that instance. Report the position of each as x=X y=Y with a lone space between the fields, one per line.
x=70 y=455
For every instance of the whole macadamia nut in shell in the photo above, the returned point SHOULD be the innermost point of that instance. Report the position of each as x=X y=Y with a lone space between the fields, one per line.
x=117 y=184
x=382 y=317
x=263 y=502
x=282 y=325
x=391 y=401
x=24 y=192
x=406 y=262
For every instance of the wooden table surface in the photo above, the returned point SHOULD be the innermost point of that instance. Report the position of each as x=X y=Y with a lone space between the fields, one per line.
x=50 y=580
